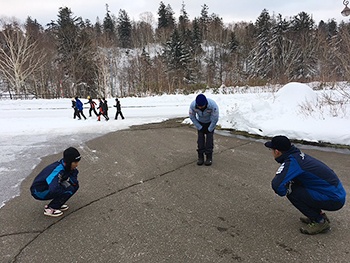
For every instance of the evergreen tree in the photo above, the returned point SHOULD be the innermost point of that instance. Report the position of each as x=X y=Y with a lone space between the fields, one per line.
x=303 y=34
x=204 y=21
x=183 y=20
x=124 y=29
x=178 y=58
x=109 y=27
x=75 y=52
x=260 y=59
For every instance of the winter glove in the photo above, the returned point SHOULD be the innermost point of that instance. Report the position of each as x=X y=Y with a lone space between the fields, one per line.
x=63 y=180
x=65 y=184
x=204 y=129
x=289 y=187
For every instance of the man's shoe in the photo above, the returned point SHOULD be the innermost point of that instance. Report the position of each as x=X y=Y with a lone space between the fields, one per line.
x=209 y=159
x=52 y=212
x=307 y=220
x=315 y=228
x=200 y=161
x=208 y=162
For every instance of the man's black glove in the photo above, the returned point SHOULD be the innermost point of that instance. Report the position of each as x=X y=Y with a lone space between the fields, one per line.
x=204 y=130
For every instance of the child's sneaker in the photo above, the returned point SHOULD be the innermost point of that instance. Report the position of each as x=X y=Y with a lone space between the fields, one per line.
x=63 y=207
x=52 y=212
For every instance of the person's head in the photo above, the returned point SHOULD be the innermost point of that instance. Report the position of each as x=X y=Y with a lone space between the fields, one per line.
x=201 y=101
x=279 y=144
x=88 y=97
x=76 y=97
x=71 y=158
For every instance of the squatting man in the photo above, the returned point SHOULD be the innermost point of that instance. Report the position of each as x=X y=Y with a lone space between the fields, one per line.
x=309 y=184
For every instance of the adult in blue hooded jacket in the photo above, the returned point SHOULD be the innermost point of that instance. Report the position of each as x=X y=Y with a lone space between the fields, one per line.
x=309 y=184
x=58 y=182
x=204 y=113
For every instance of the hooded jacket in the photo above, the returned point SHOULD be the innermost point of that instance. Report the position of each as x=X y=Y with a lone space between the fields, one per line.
x=209 y=115
x=51 y=180
x=316 y=177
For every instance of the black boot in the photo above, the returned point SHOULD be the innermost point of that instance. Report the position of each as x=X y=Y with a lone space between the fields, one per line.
x=200 y=159
x=209 y=159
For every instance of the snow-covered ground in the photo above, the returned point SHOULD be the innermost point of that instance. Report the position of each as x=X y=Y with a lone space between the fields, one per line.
x=31 y=129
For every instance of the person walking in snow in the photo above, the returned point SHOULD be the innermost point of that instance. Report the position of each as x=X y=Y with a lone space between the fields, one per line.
x=204 y=113
x=309 y=184
x=92 y=106
x=75 y=109
x=105 y=108
x=119 y=111
x=80 y=107
x=58 y=182
x=101 y=107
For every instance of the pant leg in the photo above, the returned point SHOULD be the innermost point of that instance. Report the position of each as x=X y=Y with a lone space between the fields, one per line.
x=308 y=206
x=59 y=200
x=121 y=115
x=201 y=142
x=209 y=144
x=82 y=114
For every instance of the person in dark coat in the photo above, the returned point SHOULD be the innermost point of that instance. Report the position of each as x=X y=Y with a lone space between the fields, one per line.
x=58 y=182
x=119 y=111
x=75 y=109
x=80 y=107
x=101 y=108
x=309 y=184
x=105 y=108
x=92 y=106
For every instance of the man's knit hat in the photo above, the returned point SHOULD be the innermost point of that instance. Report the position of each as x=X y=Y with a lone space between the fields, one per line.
x=201 y=100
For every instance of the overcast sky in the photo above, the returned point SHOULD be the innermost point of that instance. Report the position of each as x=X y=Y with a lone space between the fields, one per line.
x=230 y=10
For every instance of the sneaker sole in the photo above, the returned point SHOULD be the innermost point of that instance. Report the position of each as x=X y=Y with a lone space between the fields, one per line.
x=303 y=231
x=53 y=215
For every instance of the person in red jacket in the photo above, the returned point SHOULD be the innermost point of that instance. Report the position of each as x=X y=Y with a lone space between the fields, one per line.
x=92 y=106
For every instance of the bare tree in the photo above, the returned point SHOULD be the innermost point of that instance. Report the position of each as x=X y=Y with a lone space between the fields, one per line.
x=19 y=57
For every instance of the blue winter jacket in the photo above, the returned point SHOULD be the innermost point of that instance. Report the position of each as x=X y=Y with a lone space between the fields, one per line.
x=318 y=179
x=79 y=105
x=50 y=180
x=209 y=114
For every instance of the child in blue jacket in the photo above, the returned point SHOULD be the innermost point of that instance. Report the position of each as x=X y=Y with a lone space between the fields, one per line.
x=58 y=182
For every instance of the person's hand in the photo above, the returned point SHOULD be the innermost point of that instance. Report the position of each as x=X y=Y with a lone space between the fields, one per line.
x=204 y=129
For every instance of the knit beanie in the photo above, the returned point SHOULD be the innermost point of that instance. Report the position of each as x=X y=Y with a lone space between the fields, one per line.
x=201 y=100
x=71 y=155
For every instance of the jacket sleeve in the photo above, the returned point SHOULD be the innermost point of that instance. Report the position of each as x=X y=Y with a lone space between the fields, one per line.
x=284 y=175
x=192 y=115
x=53 y=180
x=73 y=178
x=214 y=118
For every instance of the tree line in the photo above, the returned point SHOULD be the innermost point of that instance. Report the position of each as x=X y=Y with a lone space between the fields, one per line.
x=119 y=57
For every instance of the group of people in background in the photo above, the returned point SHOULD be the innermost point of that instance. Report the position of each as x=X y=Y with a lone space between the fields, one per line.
x=102 y=108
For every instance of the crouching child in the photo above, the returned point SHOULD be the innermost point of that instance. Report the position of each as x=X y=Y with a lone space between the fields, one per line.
x=58 y=182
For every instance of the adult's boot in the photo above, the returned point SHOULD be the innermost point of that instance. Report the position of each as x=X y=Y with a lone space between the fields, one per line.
x=209 y=159
x=200 y=159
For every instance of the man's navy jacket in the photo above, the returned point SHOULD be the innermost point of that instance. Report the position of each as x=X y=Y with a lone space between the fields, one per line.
x=316 y=177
